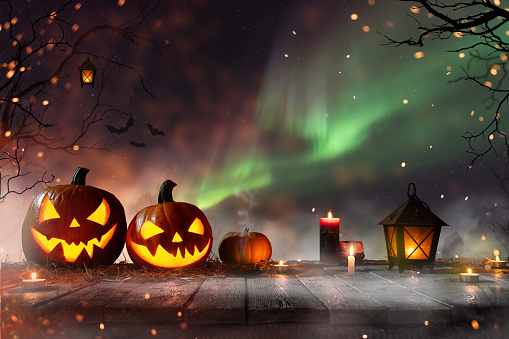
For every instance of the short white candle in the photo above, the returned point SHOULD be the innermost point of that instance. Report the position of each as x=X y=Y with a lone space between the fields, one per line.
x=33 y=283
x=351 y=262
x=469 y=277
x=498 y=263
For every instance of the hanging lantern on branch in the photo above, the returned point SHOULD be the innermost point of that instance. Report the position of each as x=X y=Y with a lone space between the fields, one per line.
x=87 y=73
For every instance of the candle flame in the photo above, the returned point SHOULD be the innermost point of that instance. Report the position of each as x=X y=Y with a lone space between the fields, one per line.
x=496 y=253
x=469 y=271
x=33 y=276
x=281 y=262
x=497 y=259
x=351 y=250
x=409 y=251
x=330 y=215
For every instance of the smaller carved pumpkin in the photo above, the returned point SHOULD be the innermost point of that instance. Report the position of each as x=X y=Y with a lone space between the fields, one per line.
x=170 y=234
x=244 y=247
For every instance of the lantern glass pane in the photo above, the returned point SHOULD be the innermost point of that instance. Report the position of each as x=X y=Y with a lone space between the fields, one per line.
x=418 y=242
x=86 y=75
x=391 y=236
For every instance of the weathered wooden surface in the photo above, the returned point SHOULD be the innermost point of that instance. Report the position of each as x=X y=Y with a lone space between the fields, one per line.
x=281 y=299
x=218 y=301
x=403 y=305
x=324 y=296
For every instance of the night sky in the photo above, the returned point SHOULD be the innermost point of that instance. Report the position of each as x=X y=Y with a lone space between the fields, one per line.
x=274 y=113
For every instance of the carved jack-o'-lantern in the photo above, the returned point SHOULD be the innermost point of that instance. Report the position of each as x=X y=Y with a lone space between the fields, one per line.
x=170 y=234
x=74 y=224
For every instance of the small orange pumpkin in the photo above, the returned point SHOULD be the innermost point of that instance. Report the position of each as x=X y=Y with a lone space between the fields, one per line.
x=244 y=247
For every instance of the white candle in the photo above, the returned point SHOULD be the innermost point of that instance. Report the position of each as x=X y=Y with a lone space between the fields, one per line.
x=469 y=277
x=33 y=283
x=351 y=262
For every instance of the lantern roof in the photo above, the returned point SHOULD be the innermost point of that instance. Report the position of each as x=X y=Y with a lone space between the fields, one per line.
x=413 y=212
x=87 y=64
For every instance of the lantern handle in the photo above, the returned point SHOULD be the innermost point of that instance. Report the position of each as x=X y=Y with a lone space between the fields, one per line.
x=414 y=195
x=408 y=190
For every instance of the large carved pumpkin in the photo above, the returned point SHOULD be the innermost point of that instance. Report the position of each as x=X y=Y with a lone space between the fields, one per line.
x=74 y=224
x=244 y=247
x=170 y=234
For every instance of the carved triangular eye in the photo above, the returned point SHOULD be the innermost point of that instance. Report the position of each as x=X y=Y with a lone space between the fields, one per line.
x=47 y=210
x=149 y=229
x=197 y=227
x=101 y=214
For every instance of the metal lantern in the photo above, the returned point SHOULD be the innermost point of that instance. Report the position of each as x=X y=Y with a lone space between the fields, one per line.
x=411 y=234
x=87 y=73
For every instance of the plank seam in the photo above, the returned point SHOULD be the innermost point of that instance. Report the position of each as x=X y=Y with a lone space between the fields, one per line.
x=355 y=288
x=417 y=292
x=41 y=303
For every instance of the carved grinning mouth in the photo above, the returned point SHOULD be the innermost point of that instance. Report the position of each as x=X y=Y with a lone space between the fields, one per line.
x=162 y=258
x=72 y=251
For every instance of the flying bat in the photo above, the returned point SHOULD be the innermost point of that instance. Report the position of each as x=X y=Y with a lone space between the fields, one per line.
x=154 y=131
x=137 y=144
x=122 y=129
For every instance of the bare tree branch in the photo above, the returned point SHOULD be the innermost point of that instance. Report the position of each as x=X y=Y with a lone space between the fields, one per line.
x=483 y=20
x=14 y=158
x=31 y=89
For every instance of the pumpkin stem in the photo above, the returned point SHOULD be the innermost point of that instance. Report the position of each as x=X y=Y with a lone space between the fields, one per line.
x=165 y=192
x=79 y=176
x=246 y=230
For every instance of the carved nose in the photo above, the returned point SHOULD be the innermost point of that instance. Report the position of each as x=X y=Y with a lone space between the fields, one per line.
x=177 y=238
x=74 y=223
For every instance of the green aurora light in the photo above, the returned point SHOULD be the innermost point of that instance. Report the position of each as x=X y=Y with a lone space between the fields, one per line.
x=338 y=109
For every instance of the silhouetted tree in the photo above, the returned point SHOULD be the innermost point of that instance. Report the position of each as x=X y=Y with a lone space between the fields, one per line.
x=482 y=24
x=43 y=43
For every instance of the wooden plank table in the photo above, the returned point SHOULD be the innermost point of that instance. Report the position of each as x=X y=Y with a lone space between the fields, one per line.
x=321 y=297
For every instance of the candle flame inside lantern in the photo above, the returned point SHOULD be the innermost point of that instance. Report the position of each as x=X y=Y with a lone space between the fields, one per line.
x=330 y=215
x=351 y=250
x=409 y=250
x=33 y=276
x=469 y=271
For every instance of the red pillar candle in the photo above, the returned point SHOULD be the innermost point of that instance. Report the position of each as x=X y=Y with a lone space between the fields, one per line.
x=329 y=239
